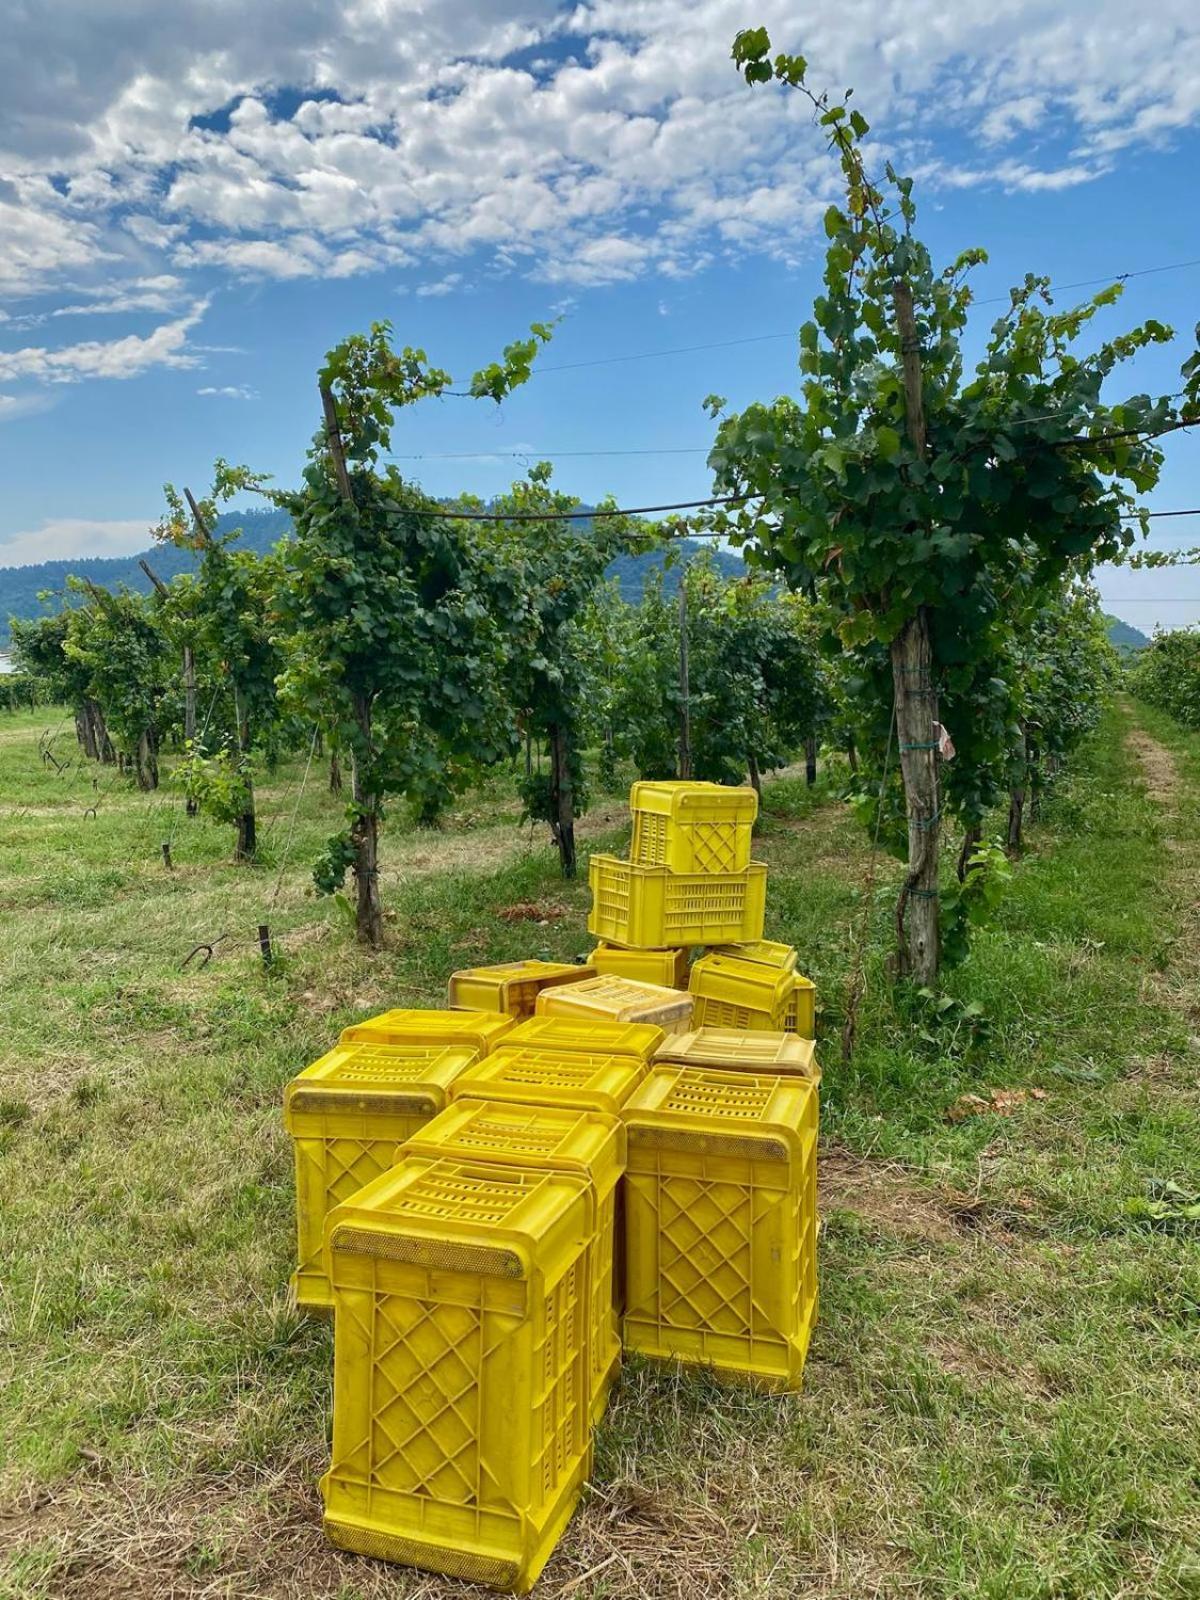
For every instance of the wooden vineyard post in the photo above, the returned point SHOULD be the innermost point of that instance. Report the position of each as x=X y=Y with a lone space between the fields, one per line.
x=916 y=712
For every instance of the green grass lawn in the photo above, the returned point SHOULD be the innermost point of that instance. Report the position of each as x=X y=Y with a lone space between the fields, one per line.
x=1003 y=1395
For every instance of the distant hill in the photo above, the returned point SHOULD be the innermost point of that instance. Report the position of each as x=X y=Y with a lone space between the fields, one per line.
x=20 y=586
x=632 y=572
x=1124 y=637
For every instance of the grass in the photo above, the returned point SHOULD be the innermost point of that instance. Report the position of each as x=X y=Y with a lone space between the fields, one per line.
x=1002 y=1399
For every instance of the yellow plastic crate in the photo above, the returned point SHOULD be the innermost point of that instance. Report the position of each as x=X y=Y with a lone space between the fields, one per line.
x=742 y=1050
x=653 y=907
x=560 y=1139
x=767 y=952
x=478 y=1029
x=800 y=1011
x=732 y=993
x=348 y=1114
x=666 y=967
x=552 y=1077
x=619 y=1000
x=590 y=1035
x=692 y=827
x=512 y=986
x=461 y=1379
x=800 y=1014
x=721 y=1221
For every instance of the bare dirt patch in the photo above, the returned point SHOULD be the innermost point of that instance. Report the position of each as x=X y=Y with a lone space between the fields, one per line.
x=884 y=1194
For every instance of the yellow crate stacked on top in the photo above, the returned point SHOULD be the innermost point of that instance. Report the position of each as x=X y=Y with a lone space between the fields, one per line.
x=480 y=1030
x=799 y=1005
x=580 y=1062
x=735 y=1049
x=562 y=1139
x=692 y=827
x=613 y=999
x=462 y=1366
x=572 y=1035
x=721 y=1220
x=689 y=879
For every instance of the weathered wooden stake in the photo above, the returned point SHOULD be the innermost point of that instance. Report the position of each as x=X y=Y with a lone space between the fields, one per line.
x=166 y=855
x=264 y=943
x=917 y=930
x=202 y=527
x=337 y=451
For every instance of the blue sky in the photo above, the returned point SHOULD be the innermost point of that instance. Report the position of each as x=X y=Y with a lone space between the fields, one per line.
x=192 y=212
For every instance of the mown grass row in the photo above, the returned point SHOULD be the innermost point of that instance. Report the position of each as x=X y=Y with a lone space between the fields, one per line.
x=1001 y=1400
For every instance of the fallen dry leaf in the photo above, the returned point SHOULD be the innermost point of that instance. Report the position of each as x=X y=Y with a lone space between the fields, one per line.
x=999 y=1102
x=527 y=911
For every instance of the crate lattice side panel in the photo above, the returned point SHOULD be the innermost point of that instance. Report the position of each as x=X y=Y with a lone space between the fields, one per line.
x=342 y=1167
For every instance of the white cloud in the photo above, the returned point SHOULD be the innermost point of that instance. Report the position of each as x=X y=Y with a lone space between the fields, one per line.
x=66 y=538
x=1011 y=117
x=442 y=286
x=129 y=357
x=1010 y=175
x=22 y=405
x=229 y=391
x=162 y=293
x=353 y=136
x=39 y=242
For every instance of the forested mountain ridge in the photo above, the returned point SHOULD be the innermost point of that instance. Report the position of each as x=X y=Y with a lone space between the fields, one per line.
x=20 y=586
x=1127 y=639
x=260 y=530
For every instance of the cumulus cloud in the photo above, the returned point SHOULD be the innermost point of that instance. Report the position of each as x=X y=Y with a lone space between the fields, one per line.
x=441 y=286
x=229 y=391
x=66 y=538
x=581 y=146
x=128 y=357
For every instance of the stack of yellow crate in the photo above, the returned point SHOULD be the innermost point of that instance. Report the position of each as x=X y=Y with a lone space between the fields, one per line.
x=689 y=880
x=494 y=1198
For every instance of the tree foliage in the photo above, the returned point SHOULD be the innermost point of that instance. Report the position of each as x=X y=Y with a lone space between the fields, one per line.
x=394 y=613
x=1167 y=674
x=39 y=649
x=554 y=568
x=756 y=683
x=936 y=510
x=119 y=643
x=226 y=614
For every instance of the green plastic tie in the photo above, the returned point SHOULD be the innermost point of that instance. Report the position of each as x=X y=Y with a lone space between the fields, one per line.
x=929 y=744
